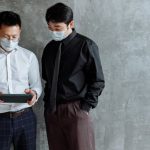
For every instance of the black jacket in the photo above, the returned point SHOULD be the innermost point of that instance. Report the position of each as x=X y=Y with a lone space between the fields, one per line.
x=80 y=75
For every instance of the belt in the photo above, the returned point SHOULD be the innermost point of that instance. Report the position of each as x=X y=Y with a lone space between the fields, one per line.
x=15 y=114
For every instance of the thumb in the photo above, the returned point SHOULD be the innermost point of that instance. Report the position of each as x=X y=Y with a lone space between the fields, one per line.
x=27 y=91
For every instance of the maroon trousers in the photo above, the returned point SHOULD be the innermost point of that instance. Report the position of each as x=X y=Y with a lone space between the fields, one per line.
x=69 y=128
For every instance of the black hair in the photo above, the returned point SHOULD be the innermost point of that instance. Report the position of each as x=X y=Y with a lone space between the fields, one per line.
x=59 y=13
x=9 y=18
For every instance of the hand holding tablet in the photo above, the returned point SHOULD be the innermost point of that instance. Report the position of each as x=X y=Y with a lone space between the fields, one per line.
x=34 y=96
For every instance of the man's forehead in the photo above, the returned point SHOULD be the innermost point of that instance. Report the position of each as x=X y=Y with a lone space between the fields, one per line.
x=56 y=24
x=9 y=29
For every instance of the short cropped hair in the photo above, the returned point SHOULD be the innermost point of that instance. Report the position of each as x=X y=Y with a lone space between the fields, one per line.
x=59 y=13
x=9 y=18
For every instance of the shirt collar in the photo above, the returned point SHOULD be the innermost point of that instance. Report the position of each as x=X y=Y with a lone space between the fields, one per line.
x=69 y=37
x=4 y=51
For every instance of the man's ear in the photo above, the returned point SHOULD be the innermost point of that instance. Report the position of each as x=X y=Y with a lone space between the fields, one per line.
x=72 y=24
x=20 y=30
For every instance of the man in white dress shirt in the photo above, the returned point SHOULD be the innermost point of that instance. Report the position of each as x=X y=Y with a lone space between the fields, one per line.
x=19 y=74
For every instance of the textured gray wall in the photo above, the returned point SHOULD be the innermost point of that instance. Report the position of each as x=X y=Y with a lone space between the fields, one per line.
x=121 y=29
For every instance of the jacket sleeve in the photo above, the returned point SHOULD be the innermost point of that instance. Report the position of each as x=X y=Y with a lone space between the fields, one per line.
x=94 y=77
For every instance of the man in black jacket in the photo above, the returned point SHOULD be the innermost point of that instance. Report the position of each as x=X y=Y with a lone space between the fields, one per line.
x=73 y=78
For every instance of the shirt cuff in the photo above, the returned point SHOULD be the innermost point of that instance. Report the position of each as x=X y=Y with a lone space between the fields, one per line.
x=38 y=93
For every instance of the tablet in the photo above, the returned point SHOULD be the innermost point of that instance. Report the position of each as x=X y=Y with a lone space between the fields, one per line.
x=16 y=98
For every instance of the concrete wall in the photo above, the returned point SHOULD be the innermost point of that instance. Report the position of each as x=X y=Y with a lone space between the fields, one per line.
x=121 y=29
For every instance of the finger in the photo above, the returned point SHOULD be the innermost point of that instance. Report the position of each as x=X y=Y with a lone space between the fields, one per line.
x=32 y=92
x=33 y=99
x=27 y=91
x=31 y=102
x=86 y=112
x=1 y=101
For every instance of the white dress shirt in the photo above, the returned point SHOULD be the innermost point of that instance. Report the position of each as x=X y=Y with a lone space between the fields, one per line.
x=19 y=70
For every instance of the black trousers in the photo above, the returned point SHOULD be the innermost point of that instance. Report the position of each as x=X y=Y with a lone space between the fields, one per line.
x=70 y=128
x=21 y=131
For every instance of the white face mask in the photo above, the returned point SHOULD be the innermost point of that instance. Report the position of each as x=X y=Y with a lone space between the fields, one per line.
x=8 y=45
x=58 y=35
